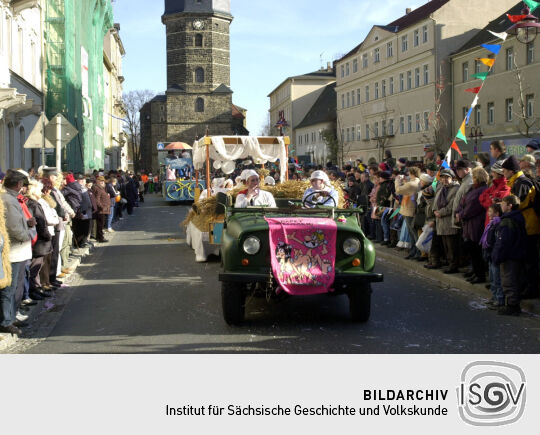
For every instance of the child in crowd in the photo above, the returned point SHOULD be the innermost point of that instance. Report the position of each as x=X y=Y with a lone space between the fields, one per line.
x=487 y=241
x=509 y=251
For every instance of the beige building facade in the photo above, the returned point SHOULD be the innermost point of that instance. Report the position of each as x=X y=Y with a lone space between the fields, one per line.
x=294 y=97
x=394 y=89
x=507 y=106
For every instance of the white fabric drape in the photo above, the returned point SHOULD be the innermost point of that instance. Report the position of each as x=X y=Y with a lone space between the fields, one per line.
x=247 y=147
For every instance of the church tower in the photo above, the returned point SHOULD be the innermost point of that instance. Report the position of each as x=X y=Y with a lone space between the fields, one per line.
x=198 y=68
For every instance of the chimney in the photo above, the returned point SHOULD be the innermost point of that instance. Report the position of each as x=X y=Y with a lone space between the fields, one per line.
x=408 y=11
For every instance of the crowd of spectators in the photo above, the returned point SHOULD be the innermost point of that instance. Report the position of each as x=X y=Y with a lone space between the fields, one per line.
x=46 y=218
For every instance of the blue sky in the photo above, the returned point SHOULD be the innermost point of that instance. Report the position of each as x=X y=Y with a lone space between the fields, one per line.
x=270 y=41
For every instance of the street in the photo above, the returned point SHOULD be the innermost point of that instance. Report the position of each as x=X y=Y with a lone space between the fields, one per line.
x=144 y=293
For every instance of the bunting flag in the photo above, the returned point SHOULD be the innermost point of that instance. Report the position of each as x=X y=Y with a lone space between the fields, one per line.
x=461 y=133
x=396 y=211
x=455 y=147
x=494 y=48
x=475 y=101
x=486 y=61
x=502 y=35
x=474 y=90
x=516 y=18
x=468 y=117
x=446 y=161
x=482 y=76
x=445 y=165
x=532 y=4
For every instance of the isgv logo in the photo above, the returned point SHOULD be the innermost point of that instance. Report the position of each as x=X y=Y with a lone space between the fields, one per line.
x=491 y=393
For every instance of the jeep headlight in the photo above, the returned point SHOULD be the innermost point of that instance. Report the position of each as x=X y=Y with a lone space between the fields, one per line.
x=251 y=245
x=351 y=246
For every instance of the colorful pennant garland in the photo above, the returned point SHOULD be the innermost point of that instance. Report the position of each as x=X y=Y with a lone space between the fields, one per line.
x=461 y=133
x=456 y=148
x=532 y=4
x=516 y=18
x=486 y=61
x=474 y=90
x=502 y=35
x=482 y=76
x=494 y=48
x=468 y=117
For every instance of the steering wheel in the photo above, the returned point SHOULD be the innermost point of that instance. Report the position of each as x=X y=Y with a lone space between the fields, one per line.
x=308 y=199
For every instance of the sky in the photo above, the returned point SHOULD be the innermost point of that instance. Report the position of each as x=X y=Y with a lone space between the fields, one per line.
x=270 y=41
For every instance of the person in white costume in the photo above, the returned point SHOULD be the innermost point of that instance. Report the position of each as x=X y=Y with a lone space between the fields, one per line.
x=253 y=195
x=320 y=183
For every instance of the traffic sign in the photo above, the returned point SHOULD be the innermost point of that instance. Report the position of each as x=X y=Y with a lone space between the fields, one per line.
x=160 y=146
x=60 y=126
x=35 y=139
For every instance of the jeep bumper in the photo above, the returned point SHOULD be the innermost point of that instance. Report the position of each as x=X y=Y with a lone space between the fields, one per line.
x=339 y=279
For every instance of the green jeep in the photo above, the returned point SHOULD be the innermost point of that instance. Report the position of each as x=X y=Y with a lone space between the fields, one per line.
x=246 y=261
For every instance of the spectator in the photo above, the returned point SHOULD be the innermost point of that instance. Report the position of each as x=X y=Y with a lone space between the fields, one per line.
x=103 y=203
x=113 y=194
x=132 y=192
x=526 y=164
x=497 y=148
x=509 y=251
x=384 y=201
x=485 y=160
x=442 y=209
x=463 y=171
x=487 y=242
x=497 y=191
x=532 y=146
x=389 y=160
x=409 y=189
x=424 y=195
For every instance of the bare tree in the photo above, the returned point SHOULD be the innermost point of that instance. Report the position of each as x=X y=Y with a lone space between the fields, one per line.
x=380 y=135
x=267 y=127
x=527 y=125
x=133 y=102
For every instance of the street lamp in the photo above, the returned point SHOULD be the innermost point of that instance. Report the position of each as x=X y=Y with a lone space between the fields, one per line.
x=476 y=132
x=527 y=28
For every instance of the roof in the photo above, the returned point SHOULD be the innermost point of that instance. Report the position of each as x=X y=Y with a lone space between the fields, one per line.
x=323 y=110
x=309 y=76
x=405 y=21
x=160 y=97
x=498 y=25
x=237 y=112
x=190 y=6
x=223 y=89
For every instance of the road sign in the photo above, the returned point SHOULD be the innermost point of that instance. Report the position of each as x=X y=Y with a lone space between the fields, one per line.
x=160 y=146
x=35 y=139
x=60 y=126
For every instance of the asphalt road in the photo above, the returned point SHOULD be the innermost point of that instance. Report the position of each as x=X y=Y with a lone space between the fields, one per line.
x=144 y=293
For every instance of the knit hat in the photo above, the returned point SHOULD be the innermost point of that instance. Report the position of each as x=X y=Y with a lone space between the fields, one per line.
x=426 y=178
x=70 y=178
x=402 y=161
x=529 y=158
x=448 y=173
x=511 y=164
x=383 y=166
x=100 y=178
x=534 y=144
x=497 y=168
x=385 y=175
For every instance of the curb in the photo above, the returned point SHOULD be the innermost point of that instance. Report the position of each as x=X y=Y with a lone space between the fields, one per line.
x=451 y=280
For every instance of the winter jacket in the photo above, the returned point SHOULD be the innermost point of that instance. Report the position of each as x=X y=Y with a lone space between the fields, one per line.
x=510 y=238
x=443 y=224
x=523 y=188
x=49 y=209
x=365 y=189
x=43 y=244
x=132 y=192
x=409 y=191
x=472 y=214
x=5 y=264
x=103 y=200
x=17 y=227
x=464 y=187
x=498 y=189
x=384 y=194
x=73 y=194
x=488 y=238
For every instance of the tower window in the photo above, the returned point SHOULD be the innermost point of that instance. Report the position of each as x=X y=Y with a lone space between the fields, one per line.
x=198 y=40
x=199 y=75
x=199 y=105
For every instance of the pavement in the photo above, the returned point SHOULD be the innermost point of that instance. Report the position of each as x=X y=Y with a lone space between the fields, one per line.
x=456 y=280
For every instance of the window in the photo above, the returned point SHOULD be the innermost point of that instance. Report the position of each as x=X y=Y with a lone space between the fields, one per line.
x=401 y=83
x=384 y=128
x=199 y=105
x=22 y=140
x=358 y=133
x=312 y=137
x=418 y=125
x=306 y=137
x=300 y=139
x=353 y=103
x=358 y=92
x=391 y=85
x=367 y=94
x=367 y=132
x=529 y=103
x=390 y=127
x=530 y=53
x=416 y=77
x=198 y=40
x=416 y=38
x=509 y=103
x=348 y=99
x=491 y=113
x=342 y=71
x=376 y=129
x=376 y=55
x=478 y=115
x=383 y=88
x=409 y=123
x=343 y=101
x=364 y=60
x=492 y=56
x=199 y=75
x=426 y=121
x=401 y=125
x=347 y=69
x=477 y=66
x=426 y=74
x=424 y=34
x=355 y=66
x=409 y=80
x=376 y=90
x=404 y=43
x=348 y=134
x=509 y=59
x=390 y=49
x=342 y=134
x=465 y=71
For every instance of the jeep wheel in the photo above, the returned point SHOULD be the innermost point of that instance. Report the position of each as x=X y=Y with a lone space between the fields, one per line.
x=360 y=303
x=233 y=301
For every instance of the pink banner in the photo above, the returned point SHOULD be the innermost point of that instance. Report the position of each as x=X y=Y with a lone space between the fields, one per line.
x=303 y=252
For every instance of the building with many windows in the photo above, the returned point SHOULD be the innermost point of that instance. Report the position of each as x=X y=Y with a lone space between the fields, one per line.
x=394 y=89
x=21 y=89
x=508 y=102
